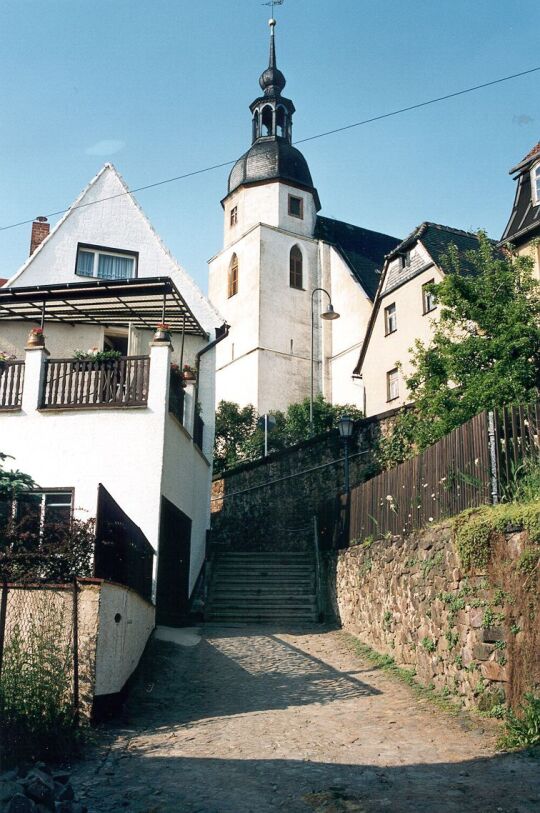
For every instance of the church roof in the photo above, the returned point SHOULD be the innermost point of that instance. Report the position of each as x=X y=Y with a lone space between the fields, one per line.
x=363 y=250
x=524 y=219
x=268 y=159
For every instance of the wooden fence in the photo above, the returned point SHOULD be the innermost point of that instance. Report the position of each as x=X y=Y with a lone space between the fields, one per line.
x=471 y=466
x=72 y=384
x=11 y=384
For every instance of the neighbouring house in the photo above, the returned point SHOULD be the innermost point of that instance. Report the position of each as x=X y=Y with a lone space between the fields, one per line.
x=404 y=311
x=523 y=228
x=126 y=437
x=278 y=254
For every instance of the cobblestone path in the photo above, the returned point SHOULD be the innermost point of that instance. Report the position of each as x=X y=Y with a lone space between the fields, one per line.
x=250 y=720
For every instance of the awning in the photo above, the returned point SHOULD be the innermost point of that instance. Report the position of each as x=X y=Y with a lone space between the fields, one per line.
x=142 y=302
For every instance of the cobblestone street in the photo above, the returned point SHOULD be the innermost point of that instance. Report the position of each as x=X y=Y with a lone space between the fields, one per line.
x=249 y=720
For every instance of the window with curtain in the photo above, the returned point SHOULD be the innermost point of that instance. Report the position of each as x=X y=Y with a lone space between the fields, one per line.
x=233 y=276
x=296 y=263
x=104 y=264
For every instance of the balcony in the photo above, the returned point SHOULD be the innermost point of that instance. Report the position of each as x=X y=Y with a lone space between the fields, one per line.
x=11 y=384
x=76 y=384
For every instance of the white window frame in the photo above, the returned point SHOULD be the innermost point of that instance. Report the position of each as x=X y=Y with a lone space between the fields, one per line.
x=429 y=300
x=392 y=384
x=390 y=319
x=535 y=183
x=97 y=252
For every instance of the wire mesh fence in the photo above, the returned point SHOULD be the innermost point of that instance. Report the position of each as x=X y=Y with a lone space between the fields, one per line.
x=39 y=692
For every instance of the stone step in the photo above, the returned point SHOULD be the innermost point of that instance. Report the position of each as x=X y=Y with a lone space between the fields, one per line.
x=256 y=592
x=260 y=617
x=295 y=570
x=292 y=604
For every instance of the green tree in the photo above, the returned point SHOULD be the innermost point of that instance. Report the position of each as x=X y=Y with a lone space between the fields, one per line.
x=238 y=438
x=234 y=425
x=12 y=482
x=485 y=351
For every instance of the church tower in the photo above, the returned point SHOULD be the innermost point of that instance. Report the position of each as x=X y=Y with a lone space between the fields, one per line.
x=261 y=282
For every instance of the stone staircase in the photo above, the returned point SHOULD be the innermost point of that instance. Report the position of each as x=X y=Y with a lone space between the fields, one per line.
x=262 y=587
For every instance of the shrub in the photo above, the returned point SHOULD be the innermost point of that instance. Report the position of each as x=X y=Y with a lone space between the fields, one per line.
x=37 y=718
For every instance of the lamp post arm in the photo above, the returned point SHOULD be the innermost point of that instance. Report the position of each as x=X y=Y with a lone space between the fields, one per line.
x=315 y=290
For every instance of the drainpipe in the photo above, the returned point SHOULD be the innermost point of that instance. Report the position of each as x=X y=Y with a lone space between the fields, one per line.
x=221 y=333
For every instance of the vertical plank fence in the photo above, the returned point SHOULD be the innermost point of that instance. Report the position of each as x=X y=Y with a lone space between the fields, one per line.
x=454 y=474
x=72 y=383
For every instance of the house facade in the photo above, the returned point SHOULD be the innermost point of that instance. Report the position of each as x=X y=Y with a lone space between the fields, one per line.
x=127 y=433
x=523 y=228
x=404 y=312
x=281 y=266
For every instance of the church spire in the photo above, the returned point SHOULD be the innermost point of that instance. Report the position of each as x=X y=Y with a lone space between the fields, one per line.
x=272 y=113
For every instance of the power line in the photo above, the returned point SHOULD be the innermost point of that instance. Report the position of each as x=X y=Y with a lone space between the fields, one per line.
x=301 y=141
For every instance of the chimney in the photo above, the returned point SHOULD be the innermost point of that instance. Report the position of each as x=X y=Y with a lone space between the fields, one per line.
x=40 y=230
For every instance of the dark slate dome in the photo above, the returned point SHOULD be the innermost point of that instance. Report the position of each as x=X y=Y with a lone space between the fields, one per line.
x=270 y=159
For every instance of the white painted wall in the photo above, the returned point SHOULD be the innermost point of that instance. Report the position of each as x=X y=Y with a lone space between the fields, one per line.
x=120 y=641
x=137 y=453
x=115 y=222
x=386 y=352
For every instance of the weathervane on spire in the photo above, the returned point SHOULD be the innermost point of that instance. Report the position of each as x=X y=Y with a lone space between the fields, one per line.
x=273 y=3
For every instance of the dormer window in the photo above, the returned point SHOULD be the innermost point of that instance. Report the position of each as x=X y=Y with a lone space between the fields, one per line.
x=535 y=183
x=405 y=260
x=105 y=263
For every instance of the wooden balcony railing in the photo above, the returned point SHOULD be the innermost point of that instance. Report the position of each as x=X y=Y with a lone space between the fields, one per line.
x=11 y=384
x=73 y=384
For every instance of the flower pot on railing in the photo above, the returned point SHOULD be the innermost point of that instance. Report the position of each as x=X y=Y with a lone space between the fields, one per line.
x=36 y=338
x=163 y=333
x=189 y=375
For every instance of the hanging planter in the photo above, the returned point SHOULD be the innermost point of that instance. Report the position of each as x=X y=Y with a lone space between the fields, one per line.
x=36 y=338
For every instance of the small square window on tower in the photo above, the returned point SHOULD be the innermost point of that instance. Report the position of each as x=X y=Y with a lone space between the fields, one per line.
x=296 y=207
x=234 y=215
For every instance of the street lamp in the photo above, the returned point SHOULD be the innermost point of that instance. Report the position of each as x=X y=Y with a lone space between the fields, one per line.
x=346 y=428
x=328 y=315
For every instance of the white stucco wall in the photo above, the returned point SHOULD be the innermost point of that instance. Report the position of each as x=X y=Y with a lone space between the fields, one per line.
x=267 y=203
x=532 y=250
x=385 y=352
x=125 y=622
x=115 y=222
x=138 y=454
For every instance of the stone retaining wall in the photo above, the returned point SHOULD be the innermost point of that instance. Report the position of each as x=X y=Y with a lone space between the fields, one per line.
x=270 y=503
x=475 y=636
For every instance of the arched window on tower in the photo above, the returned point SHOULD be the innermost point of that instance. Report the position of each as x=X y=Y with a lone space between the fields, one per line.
x=281 y=121
x=233 y=276
x=256 y=125
x=267 y=120
x=296 y=263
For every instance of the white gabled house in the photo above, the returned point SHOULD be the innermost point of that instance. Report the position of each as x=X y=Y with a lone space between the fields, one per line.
x=128 y=435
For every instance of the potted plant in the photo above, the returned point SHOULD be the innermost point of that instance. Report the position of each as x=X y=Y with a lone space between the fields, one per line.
x=104 y=358
x=176 y=374
x=4 y=358
x=36 y=338
x=189 y=374
x=163 y=332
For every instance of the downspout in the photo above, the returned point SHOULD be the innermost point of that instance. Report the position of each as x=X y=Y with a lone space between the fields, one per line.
x=221 y=333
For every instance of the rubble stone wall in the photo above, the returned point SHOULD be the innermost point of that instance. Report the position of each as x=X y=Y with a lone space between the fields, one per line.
x=472 y=635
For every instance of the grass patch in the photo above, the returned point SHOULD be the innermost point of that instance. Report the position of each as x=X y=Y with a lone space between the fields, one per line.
x=523 y=730
x=407 y=676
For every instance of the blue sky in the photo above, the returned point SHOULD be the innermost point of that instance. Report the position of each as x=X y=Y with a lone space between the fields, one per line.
x=161 y=88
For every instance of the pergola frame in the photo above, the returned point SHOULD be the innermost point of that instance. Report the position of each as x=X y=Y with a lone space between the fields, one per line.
x=140 y=302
